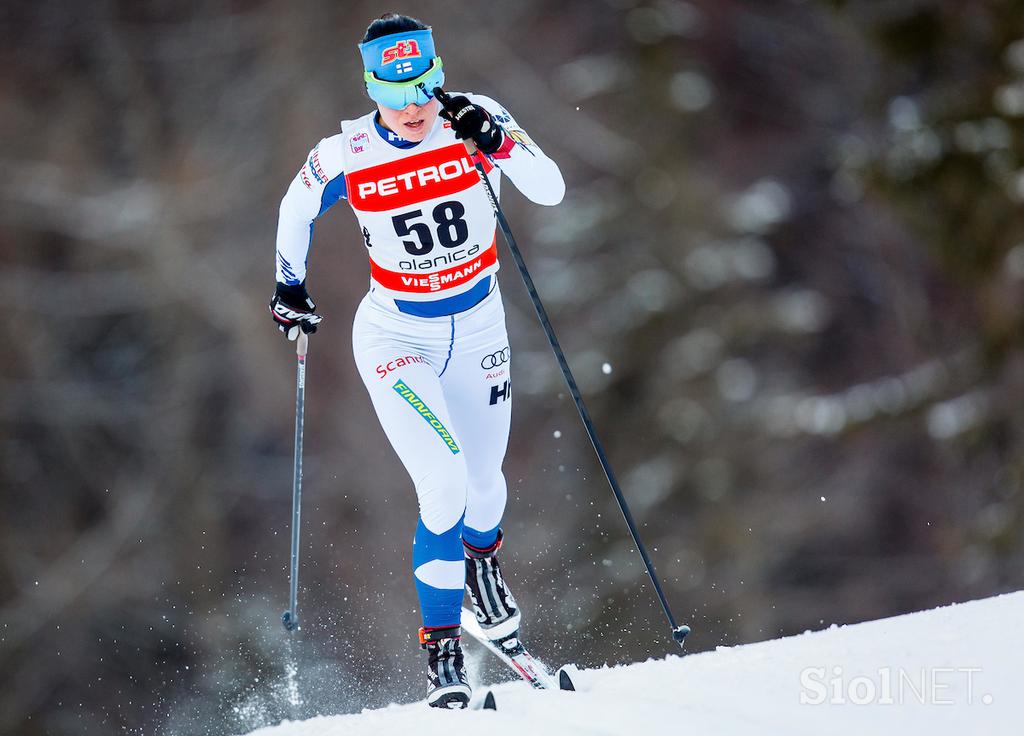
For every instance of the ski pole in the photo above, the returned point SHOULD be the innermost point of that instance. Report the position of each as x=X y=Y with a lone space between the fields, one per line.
x=679 y=632
x=290 y=618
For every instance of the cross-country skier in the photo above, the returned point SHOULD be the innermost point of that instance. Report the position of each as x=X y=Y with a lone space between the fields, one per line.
x=429 y=338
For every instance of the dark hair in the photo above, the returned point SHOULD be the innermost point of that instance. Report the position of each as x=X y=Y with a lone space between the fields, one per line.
x=392 y=23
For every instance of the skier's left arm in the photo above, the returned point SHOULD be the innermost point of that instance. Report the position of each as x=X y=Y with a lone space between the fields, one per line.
x=521 y=159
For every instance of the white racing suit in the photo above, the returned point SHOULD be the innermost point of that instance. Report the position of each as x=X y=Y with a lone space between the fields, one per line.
x=429 y=338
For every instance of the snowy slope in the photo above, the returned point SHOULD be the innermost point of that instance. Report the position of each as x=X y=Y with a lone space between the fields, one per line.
x=953 y=670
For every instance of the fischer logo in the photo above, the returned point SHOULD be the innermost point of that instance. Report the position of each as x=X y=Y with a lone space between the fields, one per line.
x=391 y=365
x=408 y=181
x=404 y=49
x=359 y=142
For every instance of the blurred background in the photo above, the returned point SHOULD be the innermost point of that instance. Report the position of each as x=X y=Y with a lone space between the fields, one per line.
x=788 y=273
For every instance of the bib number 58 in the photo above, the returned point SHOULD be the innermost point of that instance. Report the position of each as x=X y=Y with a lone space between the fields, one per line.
x=452 y=229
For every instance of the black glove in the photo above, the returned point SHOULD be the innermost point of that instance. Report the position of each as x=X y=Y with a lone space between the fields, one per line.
x=293 y=310
x=470 y=121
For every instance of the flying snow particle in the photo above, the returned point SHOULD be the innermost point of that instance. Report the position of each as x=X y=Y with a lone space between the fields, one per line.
x=557 y=434
x=606 y=368
x=823 y=499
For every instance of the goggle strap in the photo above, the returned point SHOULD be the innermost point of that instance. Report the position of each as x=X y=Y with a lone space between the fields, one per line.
x=435 y=66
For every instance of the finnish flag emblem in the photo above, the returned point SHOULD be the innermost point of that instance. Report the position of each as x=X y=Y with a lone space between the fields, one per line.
x=404 y=67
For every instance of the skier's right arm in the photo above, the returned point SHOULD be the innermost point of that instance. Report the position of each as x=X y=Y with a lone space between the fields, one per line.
x=319 y=184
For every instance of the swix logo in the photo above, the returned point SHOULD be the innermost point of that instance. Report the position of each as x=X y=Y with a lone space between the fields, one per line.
x=405 y=181
x=404 y=49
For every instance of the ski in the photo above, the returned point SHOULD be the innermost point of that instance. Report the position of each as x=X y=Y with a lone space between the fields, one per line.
x=511 y=651
x=489 y=703
x=486 y=703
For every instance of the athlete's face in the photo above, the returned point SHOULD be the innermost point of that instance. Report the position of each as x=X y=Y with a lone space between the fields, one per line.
x=412 y=122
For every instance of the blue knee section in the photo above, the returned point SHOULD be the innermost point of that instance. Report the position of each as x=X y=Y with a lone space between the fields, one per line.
x=480 y=540
x=439 y=606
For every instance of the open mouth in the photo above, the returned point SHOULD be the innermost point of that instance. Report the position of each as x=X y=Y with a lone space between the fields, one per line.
x=414 y=126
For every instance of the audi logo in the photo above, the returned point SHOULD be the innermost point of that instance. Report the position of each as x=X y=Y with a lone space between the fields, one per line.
x=495 y=359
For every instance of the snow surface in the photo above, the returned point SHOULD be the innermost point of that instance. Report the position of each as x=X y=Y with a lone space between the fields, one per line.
x=952 y=670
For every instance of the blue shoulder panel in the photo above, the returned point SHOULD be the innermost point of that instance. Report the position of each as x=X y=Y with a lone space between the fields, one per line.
x=334 y=191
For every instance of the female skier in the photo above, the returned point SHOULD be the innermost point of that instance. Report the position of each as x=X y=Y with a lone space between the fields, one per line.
x=429 y=338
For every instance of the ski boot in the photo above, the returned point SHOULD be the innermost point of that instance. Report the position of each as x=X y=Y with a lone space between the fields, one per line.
x=447 y=683
x=493 y=604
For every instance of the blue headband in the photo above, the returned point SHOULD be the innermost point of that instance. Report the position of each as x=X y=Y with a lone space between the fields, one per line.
x=398 y=56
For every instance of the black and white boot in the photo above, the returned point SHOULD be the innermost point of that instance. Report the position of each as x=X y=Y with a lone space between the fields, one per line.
x=447 y=683
x=495 y=608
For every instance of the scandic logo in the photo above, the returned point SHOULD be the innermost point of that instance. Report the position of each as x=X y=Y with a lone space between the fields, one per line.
x=438 y=173
x=436 y=281
x=404 y=49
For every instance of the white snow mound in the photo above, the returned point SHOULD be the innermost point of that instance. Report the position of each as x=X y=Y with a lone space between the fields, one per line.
x=953 y=670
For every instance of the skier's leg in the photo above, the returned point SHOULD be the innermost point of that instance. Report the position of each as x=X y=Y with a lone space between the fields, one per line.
x=407 y=396
x=478 y=386
x=399 y=360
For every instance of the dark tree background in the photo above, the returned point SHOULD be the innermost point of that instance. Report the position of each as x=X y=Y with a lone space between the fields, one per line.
x=789 y=274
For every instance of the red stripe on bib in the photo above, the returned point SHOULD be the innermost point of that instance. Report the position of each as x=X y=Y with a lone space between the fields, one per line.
x=414 y=283
x=406 y=181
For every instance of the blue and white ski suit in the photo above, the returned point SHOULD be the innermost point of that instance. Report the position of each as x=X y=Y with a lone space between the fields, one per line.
x=429 y=337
